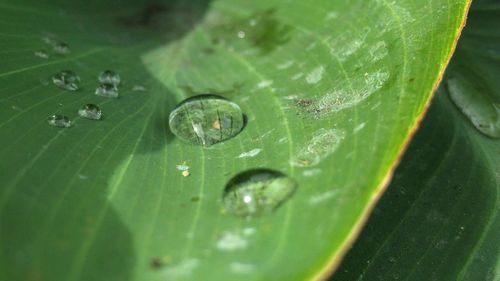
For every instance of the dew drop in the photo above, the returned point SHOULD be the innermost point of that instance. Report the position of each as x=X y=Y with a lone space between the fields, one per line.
x=107 y=90
x=109 y=77
x=90 y=111
x=60 y=121
x=67 y=80
x=42 y=54
x=475 y=103
x=61 y=48
x=206 y=120
x=256 y=192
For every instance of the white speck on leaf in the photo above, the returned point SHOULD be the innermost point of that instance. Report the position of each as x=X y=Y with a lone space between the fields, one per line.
x=230 y=241
x=325 y=196
x=359 y=127
x=315 y=75
x=285 y=65
x=251 y=153
x=322 y=144
x=181 y=270
x=297 y=76
x=244 y=268
x=265 y=84
x=182 y=167
x=311 y=172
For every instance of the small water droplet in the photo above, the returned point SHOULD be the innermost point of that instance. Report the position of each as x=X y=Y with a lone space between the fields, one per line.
x=109 y=77
x=90 y=111
x=475 y=102
x=206 y=120
x=107 y=90
x=42 y=54
x=60 y=121
x=256 y=192
x=67 y=80
x=61 y=48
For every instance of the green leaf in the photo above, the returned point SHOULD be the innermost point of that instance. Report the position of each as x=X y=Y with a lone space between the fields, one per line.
x=439 y=219
x=331 y=92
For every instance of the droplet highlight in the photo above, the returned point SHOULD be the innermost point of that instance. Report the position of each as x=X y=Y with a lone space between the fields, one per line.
x=109 y=77
x=257 y=192
x=107 y=90
x=206 y=120
x=60 y=121
x=90 y=111
x=67 y=80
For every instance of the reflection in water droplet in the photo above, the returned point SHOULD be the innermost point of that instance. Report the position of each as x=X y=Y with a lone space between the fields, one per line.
x=206 y=120
x=474 y=101
x=67 y=80
x=256 y=192
x=42 y=54
x=109 y=77
x=61 y=48
x=107 y=90
x=90 y=111
x=60 y=121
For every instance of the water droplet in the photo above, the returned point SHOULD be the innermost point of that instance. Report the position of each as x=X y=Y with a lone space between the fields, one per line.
x=61 y=48
x=67 y=80
x=206 y=120
x=107 y=90
x=60 y=121
x=109 y=77
x=90 y=111
x=256 y=192
x=42 y=54
x=474 y=100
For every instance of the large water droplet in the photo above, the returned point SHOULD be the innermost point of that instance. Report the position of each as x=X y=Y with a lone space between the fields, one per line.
x=109 y=77
x=60 y=121
x=90 y=111
x=67 y=80
x=256 y=192
x=206 y=120
x=107 y=90
x=473 y=100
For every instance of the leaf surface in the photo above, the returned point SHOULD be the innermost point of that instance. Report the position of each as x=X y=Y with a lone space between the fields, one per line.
x=331 y=91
